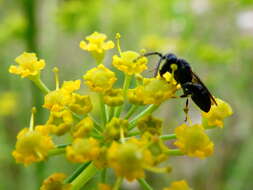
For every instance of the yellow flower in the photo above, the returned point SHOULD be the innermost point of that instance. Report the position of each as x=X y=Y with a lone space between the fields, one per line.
x=178 y=185
x=55 y=182
x=100 y=79
x=217 y=114
x=129 y=159
x=114 y=97
x=154 y=91
x=56 y=100
x=60 y=122
x=8 y=103
x=103 y=186
x=32 y=146
x=112 y=130
x=97 y=45
x=71 y=86
x=101 y=160
x=83 y=150
x=83 y=128
x=80 y=104
x=28 y=65
x=193 y=141
x=134 y=97
x=150 y=124
x=130 y=62
x=156 y=147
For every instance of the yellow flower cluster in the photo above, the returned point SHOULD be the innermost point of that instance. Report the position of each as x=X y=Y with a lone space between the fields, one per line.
x=122 y=134
x=178 y=185
x=152 y=91
x=130 y=62
x=97 y=45
x=129 y=159
x=217 y=114
x=55 y=182
x=28 y=65
x=193 y=141
x=100 y=79
x=32 y=145
x=83 y=150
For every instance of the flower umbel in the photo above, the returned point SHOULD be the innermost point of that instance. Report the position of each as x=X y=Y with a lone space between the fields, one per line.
x=122 y=132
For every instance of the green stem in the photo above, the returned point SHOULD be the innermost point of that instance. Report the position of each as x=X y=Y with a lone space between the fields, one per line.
x=103 y=175
x=111 y=113
x=102 y=109
x=117 y=183
x=126 y=85
x=63 y=145
x=106 y=112
x=39 y=83
x=97 y=125
x=174 y=152
x=70 y=178
x=133 y=133
x=145 y=112
x=131 y=111
x=144 y=184
x=56 y=151
x=168 y=137
x=84 y=177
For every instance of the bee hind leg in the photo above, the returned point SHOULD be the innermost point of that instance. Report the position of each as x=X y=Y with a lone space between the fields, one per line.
x=186 y=110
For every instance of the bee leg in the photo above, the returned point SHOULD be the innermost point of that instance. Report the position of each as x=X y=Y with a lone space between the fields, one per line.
x=186 y=110
x=184 y=96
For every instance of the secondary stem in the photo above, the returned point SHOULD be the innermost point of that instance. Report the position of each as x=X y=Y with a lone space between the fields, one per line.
x=117 y=183
x=145 y=112
x=39 y=83
x=168 y=137
x=56 y=151
x=131 y=111
x=144 y=184
x=174 y=152
x=84 y=177
x=126 y=84
x=102 y=109
x=76 y=172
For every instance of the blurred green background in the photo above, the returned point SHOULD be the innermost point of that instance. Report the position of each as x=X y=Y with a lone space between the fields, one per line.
x=215 y=36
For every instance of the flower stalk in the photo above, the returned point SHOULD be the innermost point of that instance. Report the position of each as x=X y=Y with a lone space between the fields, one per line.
x=84 y=177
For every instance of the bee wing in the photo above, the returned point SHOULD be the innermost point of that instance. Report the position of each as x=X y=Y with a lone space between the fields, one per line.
x=197 y=79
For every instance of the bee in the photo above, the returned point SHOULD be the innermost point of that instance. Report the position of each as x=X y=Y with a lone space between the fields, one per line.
x=190 y=82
